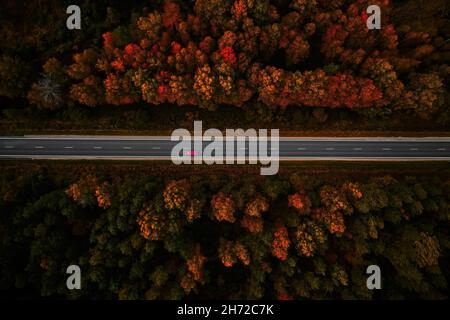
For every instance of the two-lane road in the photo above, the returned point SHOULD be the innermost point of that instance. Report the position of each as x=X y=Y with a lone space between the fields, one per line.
x=159 y=148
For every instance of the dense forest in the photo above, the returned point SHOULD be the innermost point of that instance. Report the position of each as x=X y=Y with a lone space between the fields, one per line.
x=152 y=231
x=305 y=234
x=297 y=61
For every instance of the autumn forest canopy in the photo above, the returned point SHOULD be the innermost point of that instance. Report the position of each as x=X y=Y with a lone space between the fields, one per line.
x=305 y=234
x=257 y=55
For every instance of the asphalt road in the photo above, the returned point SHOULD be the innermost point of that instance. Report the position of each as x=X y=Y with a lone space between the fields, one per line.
x=159 y=148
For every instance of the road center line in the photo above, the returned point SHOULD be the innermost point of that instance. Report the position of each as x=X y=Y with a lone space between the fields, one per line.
x=357 y=149
x=441 y=149
x=329 y=149
x=127 y=148
x=387 y=149
x=68 y=147
x=39 y=147
x=414 y=149
x=98 y=148
x=301 y=149
x=156 y=148
x=9 y=147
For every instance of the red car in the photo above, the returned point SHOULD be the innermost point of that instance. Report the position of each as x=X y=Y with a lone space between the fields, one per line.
x=191 y=153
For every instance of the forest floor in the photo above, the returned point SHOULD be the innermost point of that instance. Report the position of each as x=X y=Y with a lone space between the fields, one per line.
x=330 y=169
x=162 y=120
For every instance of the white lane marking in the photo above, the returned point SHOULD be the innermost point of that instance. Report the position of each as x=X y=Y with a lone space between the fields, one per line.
x=329 y=149
x=127 y=148
x=441 y=149
x=39 y=147
x=243 y=148
x=414 y=149
x=68 y=147
x=9 y=147
x=301 y=149
x=156 y=148
x=98 y=148
x=357 y=149
x=387 y=149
